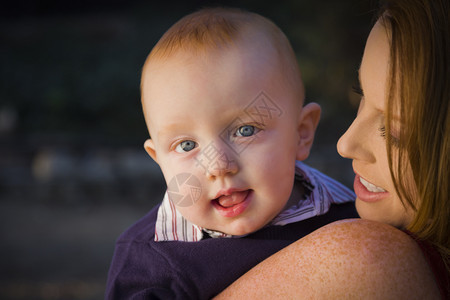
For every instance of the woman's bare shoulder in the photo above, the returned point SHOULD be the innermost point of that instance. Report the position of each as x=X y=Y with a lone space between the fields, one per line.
x=346 y=259
x=356 y=234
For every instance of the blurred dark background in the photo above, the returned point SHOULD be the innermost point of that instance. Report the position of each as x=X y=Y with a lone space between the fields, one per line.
x=73 y=172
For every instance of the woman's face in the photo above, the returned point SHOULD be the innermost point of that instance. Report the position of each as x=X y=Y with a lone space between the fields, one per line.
x=365 y=140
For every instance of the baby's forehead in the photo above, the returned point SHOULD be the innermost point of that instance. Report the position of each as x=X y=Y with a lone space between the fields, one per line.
x=255 y=52
x=230 y=67
x=250 y=66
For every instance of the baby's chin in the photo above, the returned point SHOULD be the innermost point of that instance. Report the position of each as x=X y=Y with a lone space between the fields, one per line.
x=241 y=229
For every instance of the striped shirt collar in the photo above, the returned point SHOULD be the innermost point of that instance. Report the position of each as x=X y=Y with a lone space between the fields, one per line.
x=320 y=192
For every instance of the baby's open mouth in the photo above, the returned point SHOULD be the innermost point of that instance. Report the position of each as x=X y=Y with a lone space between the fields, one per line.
x=227 y=201
x=232 y=204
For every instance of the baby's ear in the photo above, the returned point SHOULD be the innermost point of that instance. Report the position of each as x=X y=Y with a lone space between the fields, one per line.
x=308 y=120
x=149 y=146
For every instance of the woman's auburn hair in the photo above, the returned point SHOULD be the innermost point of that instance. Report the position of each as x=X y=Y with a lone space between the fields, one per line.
x=418 y=89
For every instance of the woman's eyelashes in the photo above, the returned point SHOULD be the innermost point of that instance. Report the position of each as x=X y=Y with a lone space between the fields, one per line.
x=185 y=146
x=357 y=90
x=394 y=140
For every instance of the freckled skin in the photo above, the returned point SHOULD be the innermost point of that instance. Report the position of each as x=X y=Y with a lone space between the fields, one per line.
x=351 y=259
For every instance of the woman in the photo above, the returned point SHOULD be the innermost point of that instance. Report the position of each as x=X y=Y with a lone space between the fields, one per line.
x=399 y=144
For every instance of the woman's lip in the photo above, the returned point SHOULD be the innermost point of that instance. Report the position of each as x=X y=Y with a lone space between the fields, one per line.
x=364 y=194
x=241 y=202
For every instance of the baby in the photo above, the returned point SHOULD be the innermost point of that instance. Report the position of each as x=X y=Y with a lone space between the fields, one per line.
x=223 y=99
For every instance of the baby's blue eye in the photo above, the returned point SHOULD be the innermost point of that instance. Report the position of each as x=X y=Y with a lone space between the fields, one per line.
x=185 y=146
x=246 y=130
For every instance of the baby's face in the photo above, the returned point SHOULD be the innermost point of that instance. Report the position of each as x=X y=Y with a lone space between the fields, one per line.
x=224 y=132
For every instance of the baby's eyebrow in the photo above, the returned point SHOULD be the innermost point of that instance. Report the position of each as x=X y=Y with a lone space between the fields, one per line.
x=169 y=128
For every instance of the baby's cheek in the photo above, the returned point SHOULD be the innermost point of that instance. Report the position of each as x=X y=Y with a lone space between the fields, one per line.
x=279 y=177
x=185 y=189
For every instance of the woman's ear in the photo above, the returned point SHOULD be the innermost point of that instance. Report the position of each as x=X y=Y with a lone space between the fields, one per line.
x=308 y=120
x=149 y=146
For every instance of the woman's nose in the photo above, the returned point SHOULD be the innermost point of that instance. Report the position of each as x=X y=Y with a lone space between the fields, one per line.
x=355 y=142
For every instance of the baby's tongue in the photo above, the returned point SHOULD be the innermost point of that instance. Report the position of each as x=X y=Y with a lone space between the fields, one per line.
x=233 y=199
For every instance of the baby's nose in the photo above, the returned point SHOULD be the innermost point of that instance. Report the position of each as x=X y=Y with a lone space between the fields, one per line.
x=223 y=165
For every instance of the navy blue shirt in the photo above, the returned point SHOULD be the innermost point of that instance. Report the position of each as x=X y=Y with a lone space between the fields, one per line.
x=144 y=269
